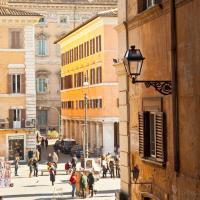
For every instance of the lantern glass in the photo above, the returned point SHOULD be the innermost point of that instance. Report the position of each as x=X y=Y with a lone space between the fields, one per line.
x=135 y=67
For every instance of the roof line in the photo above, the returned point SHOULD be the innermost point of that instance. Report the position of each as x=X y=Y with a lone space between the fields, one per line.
x=101 y=14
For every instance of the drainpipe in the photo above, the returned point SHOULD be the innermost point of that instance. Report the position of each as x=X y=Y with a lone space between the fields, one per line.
x=174 y=67
x=128 y=106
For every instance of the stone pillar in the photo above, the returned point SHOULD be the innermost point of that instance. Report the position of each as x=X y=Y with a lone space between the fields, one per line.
x=108 y=137
x=97 y=135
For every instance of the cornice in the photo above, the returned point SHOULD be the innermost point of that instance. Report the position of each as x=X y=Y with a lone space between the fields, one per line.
x=148 y=15
x=120 y=27
x=18 y=20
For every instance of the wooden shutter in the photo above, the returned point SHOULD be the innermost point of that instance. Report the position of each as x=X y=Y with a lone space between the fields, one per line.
x=142 y=5
x=23 y=117
x=9 y=83
x=23 y=84
x=160 y=153
x=144 y=134
x=11 y=116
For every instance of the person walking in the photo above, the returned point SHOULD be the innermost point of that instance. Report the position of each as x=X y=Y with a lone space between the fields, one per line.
x=30 y=164
x=83 y=184
x=104 y=168
x=52 y=173
x=55 y=157
x=42 y=142
x=73 y=180
x=90 y=180
x=35 y=166
x=117 y=168
x=46 y=142
x=112 y=168
x=16 y=163
x=74 y=161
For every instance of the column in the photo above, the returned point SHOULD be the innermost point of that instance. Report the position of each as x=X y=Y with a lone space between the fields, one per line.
x=108 y=137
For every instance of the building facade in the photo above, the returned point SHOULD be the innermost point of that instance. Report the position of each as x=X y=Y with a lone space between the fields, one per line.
x=159 y=134
x=59 y=17
x=17 y=89
x=87 y=54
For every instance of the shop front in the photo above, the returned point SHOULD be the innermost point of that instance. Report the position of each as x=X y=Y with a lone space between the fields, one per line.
x=16 y=143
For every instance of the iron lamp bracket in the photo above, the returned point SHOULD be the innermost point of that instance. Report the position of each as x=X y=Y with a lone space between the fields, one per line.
x=164 y=87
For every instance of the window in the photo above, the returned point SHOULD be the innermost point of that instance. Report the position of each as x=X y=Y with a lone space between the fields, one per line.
x=92 y=76
x=63 y=20
x=99 y=75
x=16 y=83
x=42 y=46
x=42 y=117
x=68 y=82
x=145 y=4
x=42 y=20
x=16 y=38
x=42 y=85
x=151 y=136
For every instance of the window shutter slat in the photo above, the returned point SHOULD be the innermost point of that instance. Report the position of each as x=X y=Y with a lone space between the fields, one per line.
x=9 y=84
x=160 y=154
x=23 y=117
x=141 y=134
x=23 y=84
x=11 y=116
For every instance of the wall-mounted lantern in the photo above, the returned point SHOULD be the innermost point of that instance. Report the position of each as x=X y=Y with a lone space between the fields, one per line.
x=133 y=61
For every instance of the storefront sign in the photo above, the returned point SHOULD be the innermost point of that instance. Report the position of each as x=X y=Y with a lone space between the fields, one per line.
x=16 y=137
x=31 y=141
x=5 y=174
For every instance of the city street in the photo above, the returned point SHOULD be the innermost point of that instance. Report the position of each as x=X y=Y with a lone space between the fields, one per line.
x=40 y=187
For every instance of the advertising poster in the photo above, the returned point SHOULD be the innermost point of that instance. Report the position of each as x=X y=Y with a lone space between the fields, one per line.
x=5 y=174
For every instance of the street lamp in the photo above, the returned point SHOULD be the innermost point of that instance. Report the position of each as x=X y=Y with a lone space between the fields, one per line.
x=59 y=116
x=85 y=84
x=133 y=61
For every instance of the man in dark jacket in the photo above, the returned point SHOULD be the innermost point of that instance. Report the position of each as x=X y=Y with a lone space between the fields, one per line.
x=90 y=180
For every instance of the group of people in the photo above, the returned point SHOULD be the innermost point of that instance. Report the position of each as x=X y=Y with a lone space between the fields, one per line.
x=44 y=142
x=85 y=181
x=33 y=162
x=111 y=165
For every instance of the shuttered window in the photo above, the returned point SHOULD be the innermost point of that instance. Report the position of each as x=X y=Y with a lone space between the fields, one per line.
x=151 y=136
x=16 y=38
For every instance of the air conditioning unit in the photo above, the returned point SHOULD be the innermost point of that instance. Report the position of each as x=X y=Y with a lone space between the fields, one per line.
x=30 y=123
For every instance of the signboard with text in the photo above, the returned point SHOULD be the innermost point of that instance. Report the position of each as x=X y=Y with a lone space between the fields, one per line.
x=5 y=173
x=31 y=141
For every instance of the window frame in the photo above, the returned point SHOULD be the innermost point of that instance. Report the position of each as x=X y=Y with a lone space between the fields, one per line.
x=145 y=137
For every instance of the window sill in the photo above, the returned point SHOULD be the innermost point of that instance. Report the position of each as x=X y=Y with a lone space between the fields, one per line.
x=153 y=162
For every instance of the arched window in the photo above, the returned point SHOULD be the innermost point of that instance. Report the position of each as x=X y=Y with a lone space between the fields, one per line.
x=42 y=45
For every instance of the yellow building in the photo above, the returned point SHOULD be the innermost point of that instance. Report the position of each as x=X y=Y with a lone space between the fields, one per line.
x=17 y=88
x=87 y=56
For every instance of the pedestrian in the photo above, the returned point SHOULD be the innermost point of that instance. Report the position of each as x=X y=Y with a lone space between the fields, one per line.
x=112 y=168
x=52 y=173
x=30 y=164
x=117 y=168
x=74 y=161
x=90 y=180
x=46 y=142
x=16 y=163
x=104 y=168
x=73 y=180
x=55 y=157
x=35 y=167
x=42 y=142
x=49 y=158
x=83 y=184
x=30 y=154
x=39 y=150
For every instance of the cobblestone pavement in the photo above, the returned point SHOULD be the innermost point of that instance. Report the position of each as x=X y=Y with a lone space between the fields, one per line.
x=38 y=188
